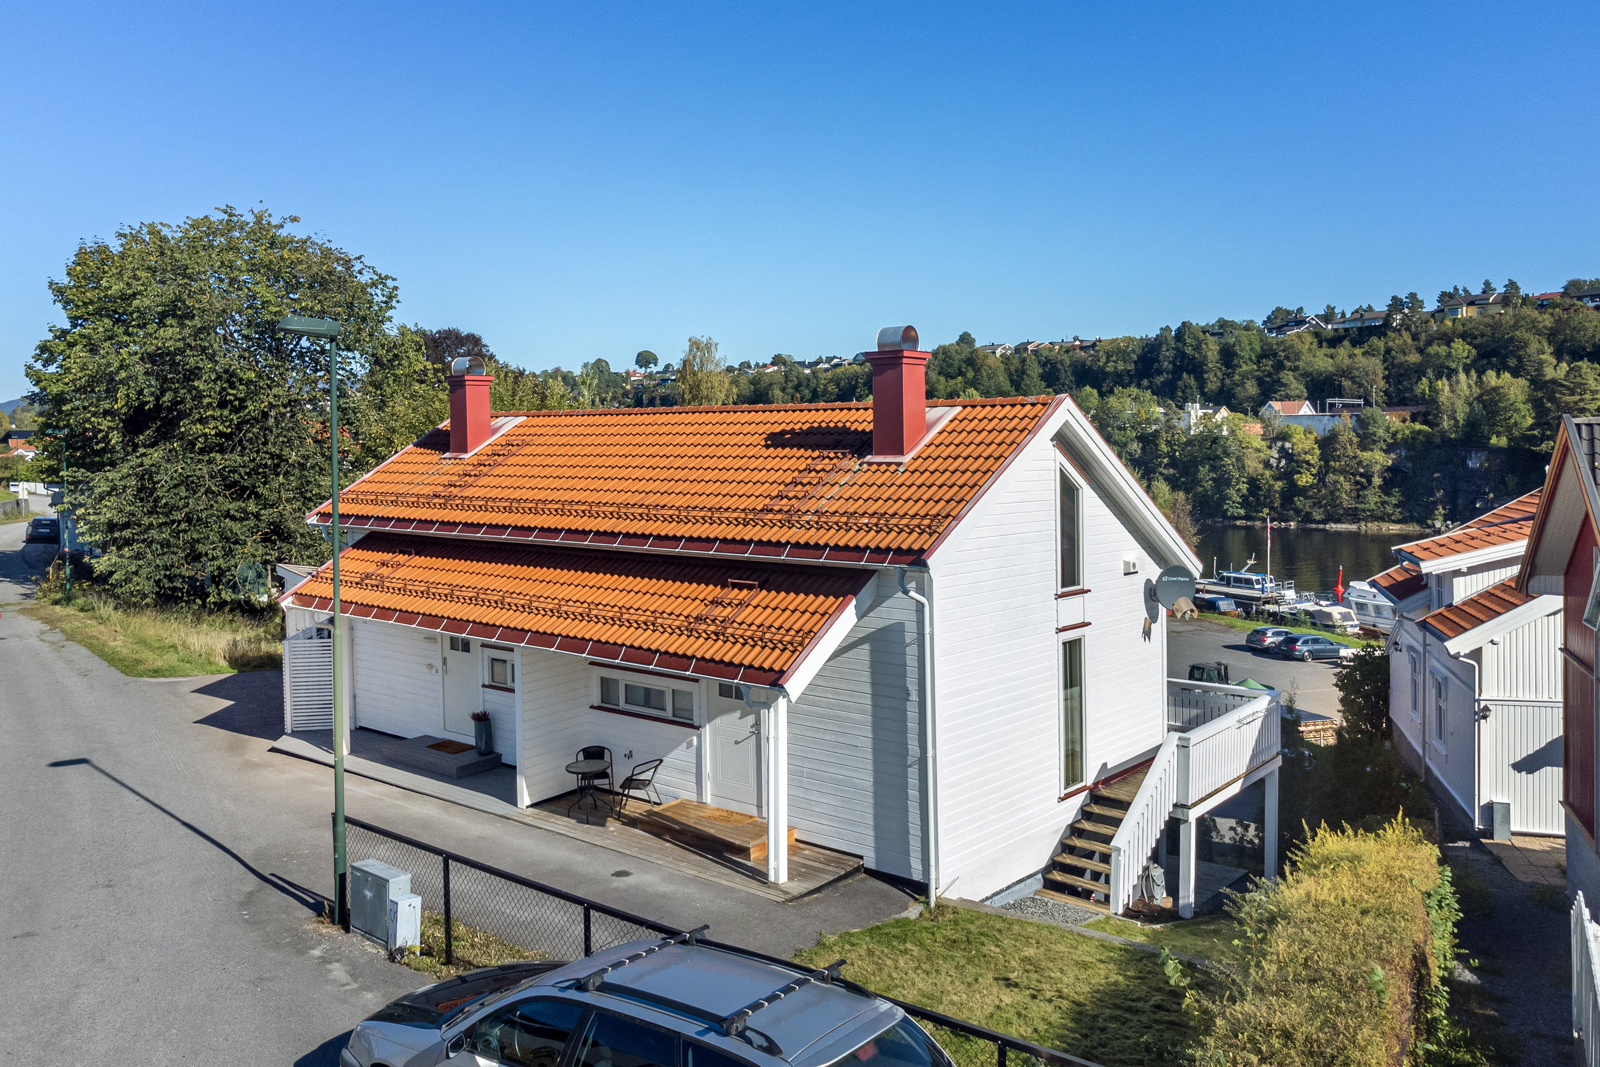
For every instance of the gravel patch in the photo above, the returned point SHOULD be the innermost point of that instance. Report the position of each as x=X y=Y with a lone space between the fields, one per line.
x=1053 y=910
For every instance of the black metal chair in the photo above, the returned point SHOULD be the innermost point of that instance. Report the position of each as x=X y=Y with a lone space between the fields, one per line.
x=589 y=781
x=642 y=779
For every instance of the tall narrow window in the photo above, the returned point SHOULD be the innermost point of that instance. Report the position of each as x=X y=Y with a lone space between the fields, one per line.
x=1438 y=711
x=1591 y=611
x=1072 y=713
x=1071 y=564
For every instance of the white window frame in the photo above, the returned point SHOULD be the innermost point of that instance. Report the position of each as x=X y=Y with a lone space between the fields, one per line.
x=1068 y=786
x=668 y=686
x=1065 y=474
x=1441 y=704
x=1591 y=610
x=486 y=655
x=1416 y=686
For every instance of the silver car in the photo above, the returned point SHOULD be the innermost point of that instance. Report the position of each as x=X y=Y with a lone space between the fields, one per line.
x=1266 y=638
x=668 y=1003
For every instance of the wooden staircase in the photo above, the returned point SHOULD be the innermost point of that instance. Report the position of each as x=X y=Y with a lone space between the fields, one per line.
x=1081 y=869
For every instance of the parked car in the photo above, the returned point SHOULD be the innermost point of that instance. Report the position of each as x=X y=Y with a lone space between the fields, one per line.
x=1266 y=638
x=1217 y=605
x=646 y=1004
x=1216 y=673
x=1309 y=647
x=43 y=531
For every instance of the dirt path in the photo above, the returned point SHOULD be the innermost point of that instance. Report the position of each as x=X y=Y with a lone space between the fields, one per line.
x=1513 y=989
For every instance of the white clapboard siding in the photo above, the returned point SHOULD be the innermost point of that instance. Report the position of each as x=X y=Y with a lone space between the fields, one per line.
x=397 y=678
x=555 y=720
x=1001 y=810
x=1453 y=757
x=307 y=681
x=1525 y=664
x=855 y=749
x=1521 y=764
x=678 y=746
x=1408 y=693
x=1480 y=578
x=502 y=709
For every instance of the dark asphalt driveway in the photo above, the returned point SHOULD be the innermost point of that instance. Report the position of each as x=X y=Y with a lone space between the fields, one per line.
x=1198 y=641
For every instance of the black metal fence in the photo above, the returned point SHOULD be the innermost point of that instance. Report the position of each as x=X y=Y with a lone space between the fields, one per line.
x=559 y=925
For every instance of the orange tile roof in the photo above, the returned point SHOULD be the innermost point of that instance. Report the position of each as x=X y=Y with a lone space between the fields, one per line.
x=1477 y=609
x=741 y=620
x=1400 y=583
x=777 y=481
x=1504 y=525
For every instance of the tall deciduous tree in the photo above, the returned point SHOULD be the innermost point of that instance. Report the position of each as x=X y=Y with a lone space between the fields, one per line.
x=703 y=374
x=196 y=435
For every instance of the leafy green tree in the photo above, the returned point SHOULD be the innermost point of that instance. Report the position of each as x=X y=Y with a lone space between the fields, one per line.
x=444 y=346
x=197 y=434
x=1501 y=412
x=1575 y=286
x=1363 y=685
x=645 y=360
x=1577 y=392
x=703 y=374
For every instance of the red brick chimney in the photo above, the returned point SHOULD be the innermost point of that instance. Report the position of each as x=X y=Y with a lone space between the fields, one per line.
x=469 y=405
x=899 y=392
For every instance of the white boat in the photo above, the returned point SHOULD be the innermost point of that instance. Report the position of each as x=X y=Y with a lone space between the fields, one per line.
x=1373 y=610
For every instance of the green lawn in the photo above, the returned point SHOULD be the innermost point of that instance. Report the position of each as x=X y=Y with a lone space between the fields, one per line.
x=1247 y=625
x=1210 y=937
x=163 y=643
x=1101 y=1001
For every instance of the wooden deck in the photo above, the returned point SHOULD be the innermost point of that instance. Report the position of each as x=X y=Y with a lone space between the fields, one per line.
x=710 y=835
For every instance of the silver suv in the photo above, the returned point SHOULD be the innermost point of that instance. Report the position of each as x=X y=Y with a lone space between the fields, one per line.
x=669 y=1003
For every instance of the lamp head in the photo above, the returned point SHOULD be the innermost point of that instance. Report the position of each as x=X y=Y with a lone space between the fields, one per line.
x=305 y=327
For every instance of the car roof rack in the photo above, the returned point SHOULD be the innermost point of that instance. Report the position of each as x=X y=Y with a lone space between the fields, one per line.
x=739 y=1021
x=591 y=981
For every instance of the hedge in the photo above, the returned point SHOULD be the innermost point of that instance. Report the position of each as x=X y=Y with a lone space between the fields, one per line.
x=1344 y=958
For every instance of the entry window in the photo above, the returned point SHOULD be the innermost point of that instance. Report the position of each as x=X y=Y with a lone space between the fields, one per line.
x=730 y=692
x=1416 y=685
x=502 y=672
x=664 y=701
x=460 y=644
x=1072 y=761
x=1071 y=542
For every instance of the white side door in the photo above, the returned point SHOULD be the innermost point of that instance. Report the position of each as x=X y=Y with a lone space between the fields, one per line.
x=463 y=684
x=735 y=740
x=396 y=678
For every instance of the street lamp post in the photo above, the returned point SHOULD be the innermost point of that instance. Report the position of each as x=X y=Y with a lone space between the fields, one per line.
x=328 y=330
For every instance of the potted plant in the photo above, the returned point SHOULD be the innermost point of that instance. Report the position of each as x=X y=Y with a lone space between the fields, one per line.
x=483 y=731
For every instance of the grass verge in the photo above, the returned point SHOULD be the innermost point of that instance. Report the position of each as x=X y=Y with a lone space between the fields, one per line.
x=1210 y=937
x=1101 y=1001
x=1246 y=625
x=472 y=948
x=161 y=642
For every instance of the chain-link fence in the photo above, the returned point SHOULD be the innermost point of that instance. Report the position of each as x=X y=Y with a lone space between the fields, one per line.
x=559 y=925
x=518 y=911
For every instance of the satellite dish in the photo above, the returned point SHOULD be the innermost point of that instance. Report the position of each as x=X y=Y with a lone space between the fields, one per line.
x=1152 y=605
x=1172 y=585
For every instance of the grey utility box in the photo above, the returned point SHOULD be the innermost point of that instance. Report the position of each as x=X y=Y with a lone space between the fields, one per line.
x=1502 y=820
x=372 y=885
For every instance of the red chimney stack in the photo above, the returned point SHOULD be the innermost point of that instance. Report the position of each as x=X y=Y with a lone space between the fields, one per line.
x=899 y=392
x=469 y=405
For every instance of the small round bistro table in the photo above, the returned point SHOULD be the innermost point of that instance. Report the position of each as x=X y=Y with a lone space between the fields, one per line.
x=587 y=771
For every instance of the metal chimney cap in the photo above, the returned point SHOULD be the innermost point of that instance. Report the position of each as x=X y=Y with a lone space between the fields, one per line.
x=897 y=338
x=467 y=365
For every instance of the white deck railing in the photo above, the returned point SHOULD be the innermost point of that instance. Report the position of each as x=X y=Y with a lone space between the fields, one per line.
x=1585 y=983
x=1216 y=735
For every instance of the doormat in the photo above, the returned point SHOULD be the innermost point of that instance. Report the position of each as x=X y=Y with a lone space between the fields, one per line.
x=451 y=748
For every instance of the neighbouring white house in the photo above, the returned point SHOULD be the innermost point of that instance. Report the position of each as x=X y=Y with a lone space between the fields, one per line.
x=1475 y=672
x=919 y=633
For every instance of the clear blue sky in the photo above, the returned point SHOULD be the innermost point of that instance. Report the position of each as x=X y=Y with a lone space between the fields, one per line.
x=591 y=179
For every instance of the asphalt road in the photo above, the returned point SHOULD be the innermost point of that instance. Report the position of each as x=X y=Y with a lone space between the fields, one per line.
x=162 y=870
x=1198 y=641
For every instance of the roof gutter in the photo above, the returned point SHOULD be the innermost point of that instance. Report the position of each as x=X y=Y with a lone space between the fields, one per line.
x=930 y=738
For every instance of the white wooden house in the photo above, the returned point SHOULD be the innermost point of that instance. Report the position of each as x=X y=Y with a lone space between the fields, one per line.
x=915 y=632
x=1475 y=672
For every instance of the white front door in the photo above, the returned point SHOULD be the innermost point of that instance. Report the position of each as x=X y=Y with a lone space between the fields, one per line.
x=463 y=688
x=735 y=733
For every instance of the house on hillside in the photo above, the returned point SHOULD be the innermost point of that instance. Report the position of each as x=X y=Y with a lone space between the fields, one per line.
x=18 y=443
x=1563 y=561
x=1357 y=320
x=998 y=350
x=921 y=633
x=1467 y=307
x=1294 y=325
x=1475 y=672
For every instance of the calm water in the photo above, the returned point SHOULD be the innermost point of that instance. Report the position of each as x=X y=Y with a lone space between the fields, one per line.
x=1309 y=558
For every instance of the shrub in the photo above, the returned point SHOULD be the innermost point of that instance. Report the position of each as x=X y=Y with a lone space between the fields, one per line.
x=1344 y=958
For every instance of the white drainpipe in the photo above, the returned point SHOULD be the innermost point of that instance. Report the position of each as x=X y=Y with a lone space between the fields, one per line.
x=931 y=807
